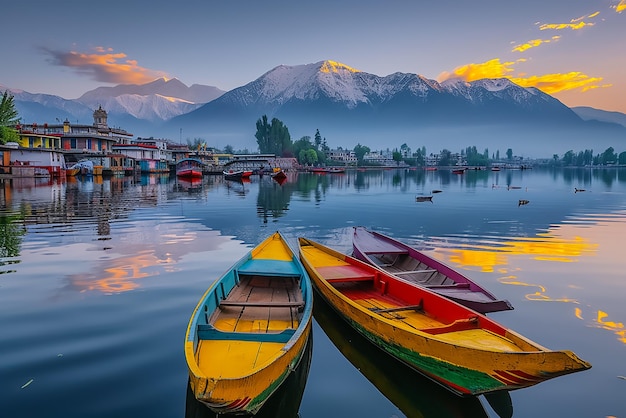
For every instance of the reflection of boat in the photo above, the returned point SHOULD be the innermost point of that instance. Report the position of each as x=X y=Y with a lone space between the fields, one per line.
x=250 y=329
x=414 y=394
x=189 y=184
x=410 y=264
x=189 y=168
x=325 y=170
x=284 y=403
x=464 y=350
x=237 y=174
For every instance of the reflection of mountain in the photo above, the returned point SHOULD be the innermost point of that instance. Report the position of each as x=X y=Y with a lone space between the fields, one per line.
x=284 y=403
x=414 y=394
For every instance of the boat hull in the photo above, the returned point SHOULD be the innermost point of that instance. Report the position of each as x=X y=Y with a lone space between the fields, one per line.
x=461 y=349
x=240 y=346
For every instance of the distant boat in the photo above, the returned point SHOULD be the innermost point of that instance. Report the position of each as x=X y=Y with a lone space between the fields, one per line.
x=523 y=202
x=250 y=329
x=495 y=168
x=81 y=168
x=464 y=350
x=189 y=168
x=458 y=171
x=324 y=170
x=279 y=176
x=408 y=263
x=423 y=198
x=238 y=174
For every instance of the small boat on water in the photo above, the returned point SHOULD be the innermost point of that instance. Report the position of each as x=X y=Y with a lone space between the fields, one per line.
x=324 y=170
x=250 y=329
x=237 y=174
x=279 y=175
x=423 y=198
x=81 y=168
x=464 y=350
x=189 y=168
x=408 y=263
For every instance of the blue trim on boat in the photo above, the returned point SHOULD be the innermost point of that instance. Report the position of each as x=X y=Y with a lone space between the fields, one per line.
x=209 y=332
x=270 y=267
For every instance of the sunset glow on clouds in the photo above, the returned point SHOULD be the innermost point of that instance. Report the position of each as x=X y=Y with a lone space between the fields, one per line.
x=548 y=83
x=533 y=43
x=105 y=65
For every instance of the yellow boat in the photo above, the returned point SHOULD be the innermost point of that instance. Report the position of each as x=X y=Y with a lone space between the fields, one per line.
x=463 y=350
x=250 y=329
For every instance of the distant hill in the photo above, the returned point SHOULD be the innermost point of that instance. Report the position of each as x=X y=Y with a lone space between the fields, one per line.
x=589 y=113
x=349 y=107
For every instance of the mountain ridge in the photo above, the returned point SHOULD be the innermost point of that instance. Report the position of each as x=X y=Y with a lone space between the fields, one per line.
x=345 y=104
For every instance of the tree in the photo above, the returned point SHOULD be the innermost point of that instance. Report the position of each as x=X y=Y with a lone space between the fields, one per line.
x=360 y=151
x=444 y=158
x=8 y=117
x=8 y=113
x=509 y=154
x=318 y=139
x=608 y=156
x=397 y=156
x=272 y=138
x=621 y=159
x=308 y=156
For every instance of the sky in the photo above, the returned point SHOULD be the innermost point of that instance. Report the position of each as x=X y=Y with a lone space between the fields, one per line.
x=572 y=50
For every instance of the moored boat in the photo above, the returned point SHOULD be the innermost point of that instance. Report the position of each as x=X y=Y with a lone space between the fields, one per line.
x=463 y=350
x=189 y=168
x=237 y=174
x=250 y=329
x=408 y=263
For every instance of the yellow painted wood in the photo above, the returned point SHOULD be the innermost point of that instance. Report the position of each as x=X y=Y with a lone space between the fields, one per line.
x=243 y=357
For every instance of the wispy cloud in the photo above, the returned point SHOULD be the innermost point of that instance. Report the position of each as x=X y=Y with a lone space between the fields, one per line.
x=621 y=6
x=548 y=83
x=574 y=24
x=104 y=65
x=534 y=43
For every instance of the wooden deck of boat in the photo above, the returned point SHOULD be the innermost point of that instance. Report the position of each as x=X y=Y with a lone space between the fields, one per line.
x=411 y=269
x=260 y=304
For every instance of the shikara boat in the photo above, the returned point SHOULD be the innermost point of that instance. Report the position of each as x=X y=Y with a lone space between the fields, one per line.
x=410 y=264
x=250 y=329
x=414 y=394
x=237 y=174
x=189 y=168
x=279 y=176
x=465 y=351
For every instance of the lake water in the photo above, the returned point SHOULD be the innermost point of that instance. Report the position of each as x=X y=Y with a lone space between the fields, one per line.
x=98 y=278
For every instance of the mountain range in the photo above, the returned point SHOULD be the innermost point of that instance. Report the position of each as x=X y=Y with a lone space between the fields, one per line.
x=348 y=107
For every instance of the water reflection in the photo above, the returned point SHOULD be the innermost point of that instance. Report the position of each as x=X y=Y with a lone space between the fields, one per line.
x=284 y=403
x=414 y=394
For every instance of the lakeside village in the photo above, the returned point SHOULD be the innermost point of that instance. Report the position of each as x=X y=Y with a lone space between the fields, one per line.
x=67 y=149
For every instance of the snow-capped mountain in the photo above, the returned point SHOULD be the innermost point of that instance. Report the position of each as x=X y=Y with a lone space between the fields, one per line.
x=348 y=106
x=155 y=102
x=357 y=107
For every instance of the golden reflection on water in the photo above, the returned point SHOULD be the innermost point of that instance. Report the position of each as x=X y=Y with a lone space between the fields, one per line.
x=592 y=241
x=148 y=253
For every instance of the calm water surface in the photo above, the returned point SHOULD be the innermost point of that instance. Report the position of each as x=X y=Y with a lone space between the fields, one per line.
x=98 y=279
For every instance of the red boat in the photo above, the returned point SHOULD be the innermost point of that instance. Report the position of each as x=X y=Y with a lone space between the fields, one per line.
x=407 y=263
x=189 y=168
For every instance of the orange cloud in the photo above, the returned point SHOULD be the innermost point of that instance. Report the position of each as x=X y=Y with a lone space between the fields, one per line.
x=104 y=65
x=560 y=26
x=548 y=83
x=534 y=43
x=470 y=72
